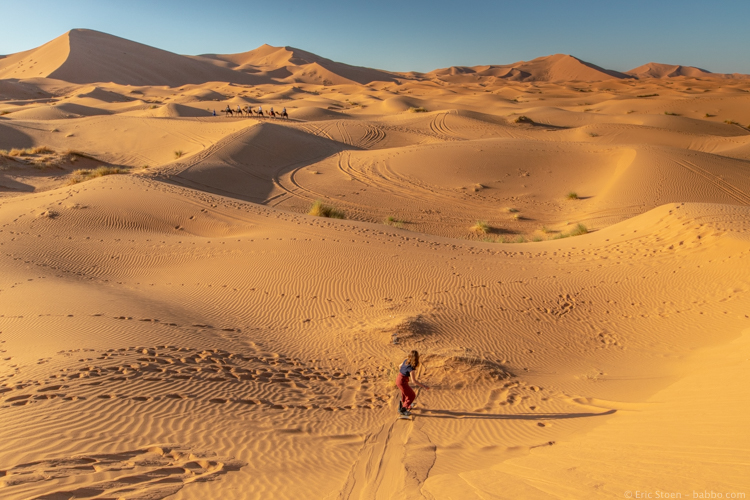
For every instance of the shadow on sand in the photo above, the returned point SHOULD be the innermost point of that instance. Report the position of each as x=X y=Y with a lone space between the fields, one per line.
x=516 y=416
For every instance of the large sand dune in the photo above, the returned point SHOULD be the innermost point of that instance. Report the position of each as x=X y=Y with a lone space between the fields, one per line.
x=182 y=328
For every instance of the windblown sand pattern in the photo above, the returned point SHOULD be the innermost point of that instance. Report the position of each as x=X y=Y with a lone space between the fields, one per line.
x=568 y=247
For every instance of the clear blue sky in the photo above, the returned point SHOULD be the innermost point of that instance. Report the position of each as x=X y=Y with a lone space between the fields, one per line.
x=418 y=35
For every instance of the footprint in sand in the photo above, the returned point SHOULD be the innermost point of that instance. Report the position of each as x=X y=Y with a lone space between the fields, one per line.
x=154 y=472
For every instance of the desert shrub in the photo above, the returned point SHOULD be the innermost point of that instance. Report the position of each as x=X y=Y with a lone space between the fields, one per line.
x=178 y=153
x=512 y=210
x=524 y=119
x=481 y=227
x=572 y=195
x=27 y=152
x=418 y=110
x=579 y=230
x=671 y=114
x=85 y=175
x=320 y=209
x=648 y=95
x=392 y=221
x=546 y=230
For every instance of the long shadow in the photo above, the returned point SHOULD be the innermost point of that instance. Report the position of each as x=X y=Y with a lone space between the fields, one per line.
x=248 y=167
x=516 y=416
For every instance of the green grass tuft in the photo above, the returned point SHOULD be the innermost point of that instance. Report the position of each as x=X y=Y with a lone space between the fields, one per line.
x=579 y=230
x=418 y=110
x=392 y=221
x=572 y=195
x=481 y=227
x=320 y=209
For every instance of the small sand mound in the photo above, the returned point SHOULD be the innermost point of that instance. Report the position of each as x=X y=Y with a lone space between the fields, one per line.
x=313 y=113
x=174 y=110
x=407 y=328
x=399 y=104
x=44 y=112
x=454 y=371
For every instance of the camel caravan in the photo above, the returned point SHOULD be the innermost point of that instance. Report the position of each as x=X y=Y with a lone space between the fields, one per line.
x=250 y=112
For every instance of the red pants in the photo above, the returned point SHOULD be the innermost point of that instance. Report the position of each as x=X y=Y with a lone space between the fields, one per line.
x=407 y=393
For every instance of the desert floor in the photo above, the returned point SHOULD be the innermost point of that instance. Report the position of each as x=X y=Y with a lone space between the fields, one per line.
x=184 y=328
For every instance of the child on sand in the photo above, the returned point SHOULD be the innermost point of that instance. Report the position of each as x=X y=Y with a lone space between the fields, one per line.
x=402 y=382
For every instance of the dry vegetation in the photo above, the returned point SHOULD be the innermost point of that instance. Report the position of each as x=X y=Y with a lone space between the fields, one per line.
x=392 y=221
x=320 y=209
x=85 y=175
x=481 y=227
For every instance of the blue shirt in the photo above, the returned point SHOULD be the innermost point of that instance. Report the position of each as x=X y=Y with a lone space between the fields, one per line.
x=406 y=369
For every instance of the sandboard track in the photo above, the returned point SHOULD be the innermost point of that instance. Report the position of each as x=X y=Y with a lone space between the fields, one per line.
x=731 y=190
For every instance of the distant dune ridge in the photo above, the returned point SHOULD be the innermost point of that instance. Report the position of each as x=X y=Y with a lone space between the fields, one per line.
x=558 y=67
x=88 y=56
x=656 y=70
x=567 y=247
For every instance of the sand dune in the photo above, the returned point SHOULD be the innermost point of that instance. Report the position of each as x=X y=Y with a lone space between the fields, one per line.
x=87 y=56
x=295 y=65
x=657 y=70
x=558 y=67
x=566 y=246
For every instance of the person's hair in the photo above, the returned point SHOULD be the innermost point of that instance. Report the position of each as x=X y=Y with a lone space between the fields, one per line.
x=413 y=359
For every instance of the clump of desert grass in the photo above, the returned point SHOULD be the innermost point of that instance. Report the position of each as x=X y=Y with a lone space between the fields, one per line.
x=577 y=231
x=86 y=174
x=481 y=227
x=40 y=157
x=392 y=221
x=18 y=152
x=178 y=154
x=572 y=195
x=320 y=209
x=524 y=119
x=418 y=110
